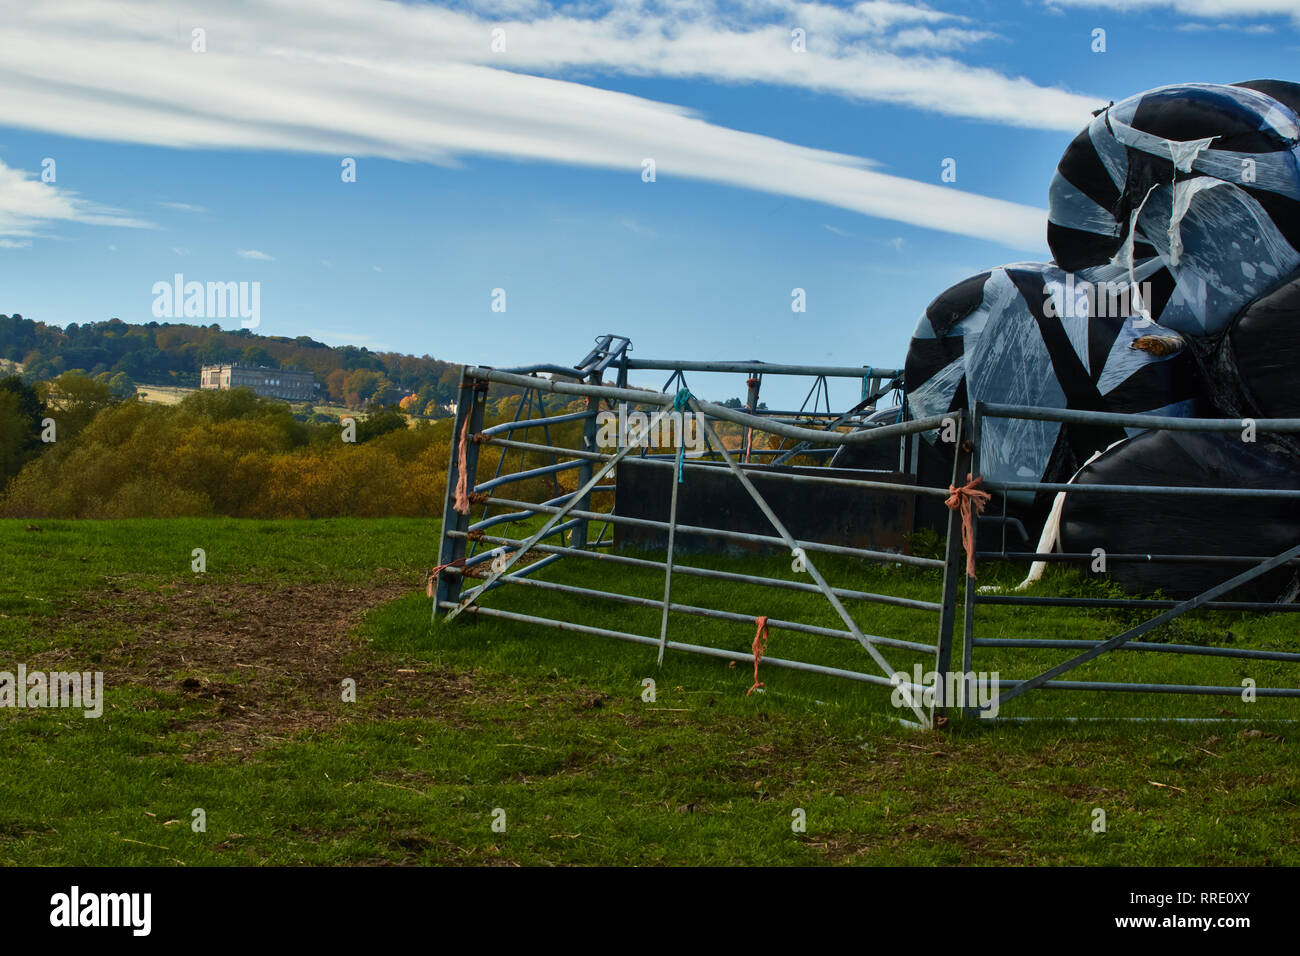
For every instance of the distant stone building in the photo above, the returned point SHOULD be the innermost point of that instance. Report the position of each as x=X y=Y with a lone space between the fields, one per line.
x=289 y=385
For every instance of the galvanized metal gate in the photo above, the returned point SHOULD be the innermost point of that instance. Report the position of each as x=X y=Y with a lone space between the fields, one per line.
x=566 y=517
x=1169 y=610
x=563 y=521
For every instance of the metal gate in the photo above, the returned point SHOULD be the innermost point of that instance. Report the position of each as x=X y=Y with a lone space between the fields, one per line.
x=1084 y=651
x=475 y=559
x=565 y=518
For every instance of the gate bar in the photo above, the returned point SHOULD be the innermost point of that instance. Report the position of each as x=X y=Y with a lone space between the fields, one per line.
x=708 y=612
x=1078 y=416
x=887 y=557
x=1245 y=653
x=710 y=410
x=688 y=648
x=738 y=577
x=1189 y=605
x=557 y=514
x=811 y=568
x=892 y=487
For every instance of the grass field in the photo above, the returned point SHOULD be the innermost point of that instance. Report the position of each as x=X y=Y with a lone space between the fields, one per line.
x=224 y=693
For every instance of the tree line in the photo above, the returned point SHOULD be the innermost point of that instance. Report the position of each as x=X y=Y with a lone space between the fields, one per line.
x=124 y=354
x=71 y=448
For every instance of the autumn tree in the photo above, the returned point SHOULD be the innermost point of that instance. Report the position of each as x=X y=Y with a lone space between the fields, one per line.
x=20 y=426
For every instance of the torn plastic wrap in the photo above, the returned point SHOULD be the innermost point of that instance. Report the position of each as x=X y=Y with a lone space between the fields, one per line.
x=1194 y=190
x=1032 y=334
x=1190 y=524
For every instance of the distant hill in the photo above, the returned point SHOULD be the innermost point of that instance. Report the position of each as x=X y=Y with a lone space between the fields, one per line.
x=165 y=353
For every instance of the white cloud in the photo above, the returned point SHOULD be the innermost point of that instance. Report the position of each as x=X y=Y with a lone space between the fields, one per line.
x=257 y=254
x=181 y=207
x=1197 y=8
x=416 y=82
x=28 y=205
x=15 y=243
x=1196 y=26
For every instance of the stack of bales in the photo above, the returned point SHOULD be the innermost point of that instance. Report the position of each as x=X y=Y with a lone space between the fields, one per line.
x=1175 y=290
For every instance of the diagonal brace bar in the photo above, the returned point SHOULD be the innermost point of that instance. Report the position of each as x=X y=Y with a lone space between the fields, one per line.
x=555 y=518
x=808 y=564
x=1190 y=604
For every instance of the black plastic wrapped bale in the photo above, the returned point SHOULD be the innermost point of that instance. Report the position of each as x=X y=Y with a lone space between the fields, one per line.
x=1028 y=334
x=1194 y=190
x=1186 y=524
x=1288 y=94
x=1263 y=348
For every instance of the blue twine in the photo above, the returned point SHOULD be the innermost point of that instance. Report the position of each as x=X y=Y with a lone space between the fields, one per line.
x=681 y=401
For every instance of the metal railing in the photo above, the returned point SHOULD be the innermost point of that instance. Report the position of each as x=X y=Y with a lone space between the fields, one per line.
x=482 y=553
x=1089 y=650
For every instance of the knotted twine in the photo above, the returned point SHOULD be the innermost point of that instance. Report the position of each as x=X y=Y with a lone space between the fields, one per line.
x=962 y=498
x=461 y=502
x=433 y=575
x=760 y=645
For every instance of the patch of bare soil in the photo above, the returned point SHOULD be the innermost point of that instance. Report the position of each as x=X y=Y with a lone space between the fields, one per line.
x=268 y=660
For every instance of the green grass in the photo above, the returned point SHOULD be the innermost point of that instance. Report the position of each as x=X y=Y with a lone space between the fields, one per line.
x=453 y=721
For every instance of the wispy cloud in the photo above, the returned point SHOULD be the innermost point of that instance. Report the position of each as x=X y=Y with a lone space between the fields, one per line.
x=1196 y=26
x=29 y=206
x=417 y=82
x=1197 y=8
x=15 y=243
x=257 y=254
x=181 y=207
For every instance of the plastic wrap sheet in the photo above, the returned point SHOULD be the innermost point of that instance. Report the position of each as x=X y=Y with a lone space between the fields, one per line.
x=1197 y=186
x=1288 y=94
x=1221 y=248
x=1166 y=524
x=1032 y=334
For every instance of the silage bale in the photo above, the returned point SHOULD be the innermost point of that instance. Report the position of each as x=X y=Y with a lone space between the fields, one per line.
x=1209 y=524
x=1031 y=334
x=1194 y=190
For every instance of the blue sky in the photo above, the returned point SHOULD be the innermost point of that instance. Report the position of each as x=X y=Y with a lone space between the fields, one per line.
x=521 y=168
